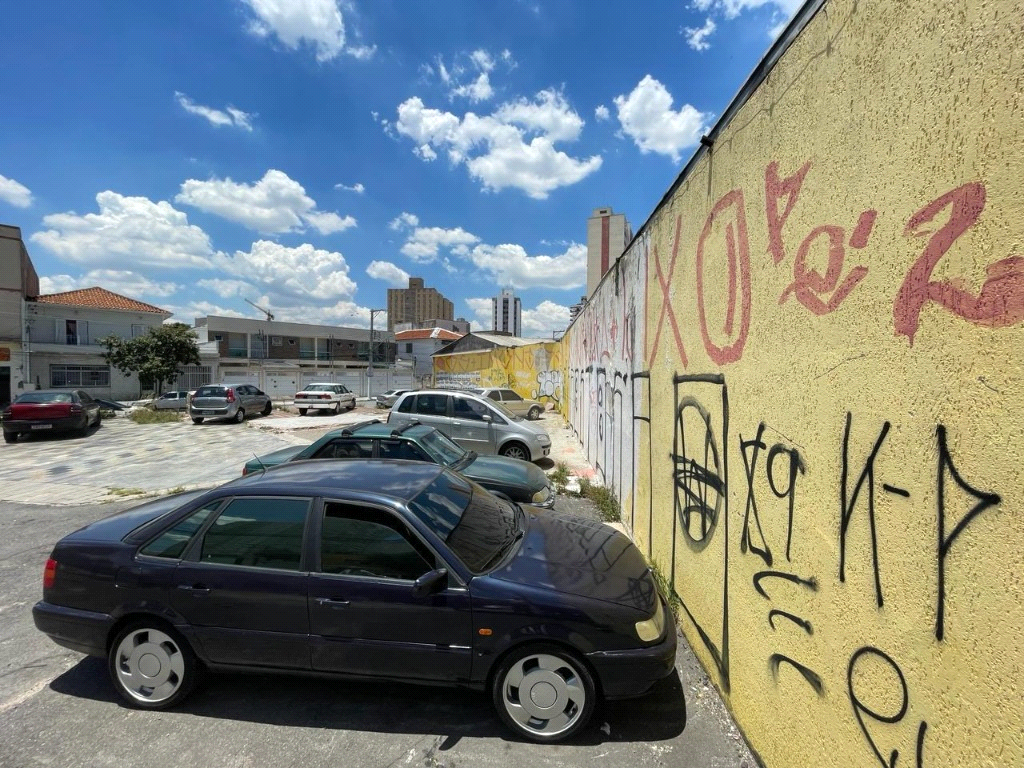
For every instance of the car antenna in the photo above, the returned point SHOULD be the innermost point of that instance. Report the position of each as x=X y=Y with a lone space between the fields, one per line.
x=263 y=468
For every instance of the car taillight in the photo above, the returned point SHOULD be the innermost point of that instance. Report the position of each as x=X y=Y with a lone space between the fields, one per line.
x=49 y=573
x=76 y=408
x=325 y=397
x=231 y=395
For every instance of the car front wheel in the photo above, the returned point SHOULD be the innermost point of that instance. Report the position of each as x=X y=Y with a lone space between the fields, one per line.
x=267 y=408
x=534 y=413
x=515 y=451
x=151 y=666
x=544 y=693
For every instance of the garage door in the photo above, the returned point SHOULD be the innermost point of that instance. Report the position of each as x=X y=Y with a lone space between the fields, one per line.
x=282 y=386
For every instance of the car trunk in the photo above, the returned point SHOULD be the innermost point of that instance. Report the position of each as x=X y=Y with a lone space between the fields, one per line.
x=211 y=399
x=42 y=411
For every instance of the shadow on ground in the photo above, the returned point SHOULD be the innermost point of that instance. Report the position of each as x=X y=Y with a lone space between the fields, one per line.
x=386 y=707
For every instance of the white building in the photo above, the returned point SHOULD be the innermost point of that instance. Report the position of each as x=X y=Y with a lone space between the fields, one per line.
x=507 y=313
x=608 y=234
x=416 y=346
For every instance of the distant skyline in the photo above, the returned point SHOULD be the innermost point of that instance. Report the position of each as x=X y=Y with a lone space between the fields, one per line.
x=307 y=155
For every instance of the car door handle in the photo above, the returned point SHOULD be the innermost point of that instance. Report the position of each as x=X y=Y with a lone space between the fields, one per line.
x=331 y=602
x=195 y=589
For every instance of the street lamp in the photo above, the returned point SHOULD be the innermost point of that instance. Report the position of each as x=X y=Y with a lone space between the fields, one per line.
x=369 y=368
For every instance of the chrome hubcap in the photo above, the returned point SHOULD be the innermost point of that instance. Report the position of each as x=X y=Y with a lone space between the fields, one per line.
x=150 y=665
x=544 y=694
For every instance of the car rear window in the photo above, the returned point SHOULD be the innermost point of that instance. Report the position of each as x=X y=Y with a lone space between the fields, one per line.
x=321 y=388
x=44 y=397
x=211 y=391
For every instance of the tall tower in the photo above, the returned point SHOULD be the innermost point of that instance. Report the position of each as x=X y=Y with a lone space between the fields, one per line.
x=608 y=234
x=416 y=304
x=507 y=313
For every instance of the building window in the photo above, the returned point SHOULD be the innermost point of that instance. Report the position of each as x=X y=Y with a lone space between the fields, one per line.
x=138 y=330
x=408 y=348
x=79 y=376
x=275 y=341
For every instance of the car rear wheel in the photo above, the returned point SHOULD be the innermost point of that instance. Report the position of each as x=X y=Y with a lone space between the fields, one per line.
x=337 y=408
x=534 y=413
x=352 y=405
x=544 y=693
x=151 y=666
x=240 y=416
x=515 y=451
x=10 y=437
x=197 y=420
x=267 y=408
x=302 y=411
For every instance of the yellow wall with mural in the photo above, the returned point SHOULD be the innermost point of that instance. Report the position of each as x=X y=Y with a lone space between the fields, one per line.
x=534 y=371
x=820 y=430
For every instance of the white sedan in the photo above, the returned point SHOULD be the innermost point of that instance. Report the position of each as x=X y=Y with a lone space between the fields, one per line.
x=325 y=397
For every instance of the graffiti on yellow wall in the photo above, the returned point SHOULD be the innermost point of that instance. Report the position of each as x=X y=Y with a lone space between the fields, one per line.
x=534 y=371
x=813 y=426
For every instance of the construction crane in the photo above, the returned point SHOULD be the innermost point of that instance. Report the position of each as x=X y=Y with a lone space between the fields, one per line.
x=267 y=312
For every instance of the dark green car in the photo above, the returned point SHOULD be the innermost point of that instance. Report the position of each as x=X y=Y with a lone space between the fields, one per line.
x=511 y=479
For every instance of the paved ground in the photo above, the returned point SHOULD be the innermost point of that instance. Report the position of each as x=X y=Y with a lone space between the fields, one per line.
x=57 y=708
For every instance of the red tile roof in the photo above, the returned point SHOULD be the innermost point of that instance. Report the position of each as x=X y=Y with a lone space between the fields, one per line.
x=427 y=333
x=99 y=298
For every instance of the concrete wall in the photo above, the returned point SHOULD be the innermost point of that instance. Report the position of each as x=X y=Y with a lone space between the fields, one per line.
x=535 y=371
x=814 y=422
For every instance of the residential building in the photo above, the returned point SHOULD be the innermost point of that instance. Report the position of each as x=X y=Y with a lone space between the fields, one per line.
x=417 y=303
x=281 y=357
x=608 y=234
x=507 y=313
x=416 y=346
x=18 y=281
x=62 y=341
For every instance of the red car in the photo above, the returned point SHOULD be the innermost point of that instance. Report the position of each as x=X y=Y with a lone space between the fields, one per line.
x=50 y=410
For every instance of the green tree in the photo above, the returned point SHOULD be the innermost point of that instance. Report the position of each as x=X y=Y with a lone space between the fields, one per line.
x=156 y=357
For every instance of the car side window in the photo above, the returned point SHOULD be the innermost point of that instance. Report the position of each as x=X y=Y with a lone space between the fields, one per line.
x=172 y=542
x=261 y=532
x=346 y=449
x=85 y=397
x=494 y=394
x=400 y=449
x=359 y=541
x=406 y=405
x=432 y=405
x=464 y=408
x=510 y=396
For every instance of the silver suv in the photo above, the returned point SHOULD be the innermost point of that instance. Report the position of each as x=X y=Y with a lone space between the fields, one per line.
x=476 y=423
x=228 y=401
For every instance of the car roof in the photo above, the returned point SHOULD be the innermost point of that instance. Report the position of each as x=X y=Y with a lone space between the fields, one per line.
x=377 y=428
x=393 y=478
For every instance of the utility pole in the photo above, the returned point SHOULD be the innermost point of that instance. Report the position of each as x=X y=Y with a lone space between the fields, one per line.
x=369 y=369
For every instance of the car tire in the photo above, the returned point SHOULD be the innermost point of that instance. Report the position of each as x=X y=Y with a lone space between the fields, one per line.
x=197 y=420
x=352 y=406
x=560 y=694
x=302 y=411
x=10 y=437
x=337 y=408
x=535 y=413
x=515 y=450
x=267 y=408
x=151 y=665
x=239 y=416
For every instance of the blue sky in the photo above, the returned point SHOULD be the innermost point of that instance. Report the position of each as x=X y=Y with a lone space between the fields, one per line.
x=309 y=154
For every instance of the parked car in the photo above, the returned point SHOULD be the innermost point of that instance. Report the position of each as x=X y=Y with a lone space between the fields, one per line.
x=176 y=401
x=228 y=401
x=510 y=479
x=373 y=569
x=476 y=423
x=387 y=399
x=50 y=410
x=509 y=398
x=325 y=397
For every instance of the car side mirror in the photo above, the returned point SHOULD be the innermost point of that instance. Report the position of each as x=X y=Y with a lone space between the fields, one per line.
x=430 y=582
x=487 y=418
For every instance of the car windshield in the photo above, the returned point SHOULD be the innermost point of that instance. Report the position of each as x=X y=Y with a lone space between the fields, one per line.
x=320 y=388
x=479 y=528
x=442 y=449
x=44 y=397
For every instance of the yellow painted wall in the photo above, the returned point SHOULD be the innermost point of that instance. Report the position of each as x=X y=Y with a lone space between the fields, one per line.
x=821 y=427
x=534 y=371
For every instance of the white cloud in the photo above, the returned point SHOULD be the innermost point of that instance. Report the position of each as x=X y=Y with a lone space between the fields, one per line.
x=227 y=116
x=303 y=271
x=647 y=117
x=389 y=273
x=545 y=319
x=733 y=8
x=423 y=243
x=404 y=221
x=127 y=230
x=125 y=282
x=601 y=112
x=276 y=203
x=476 y=91
x=227 y=289
x=482 y=59
x=508 y=60
x=510 y=265
x=14 y=193
x=697 y=37
x=481 y=310
x=316 y=23
x=358 y=187
x=514 y=147
x=187 y=313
